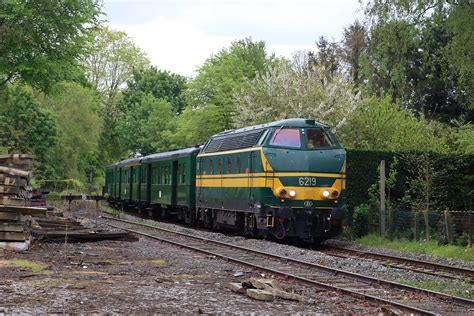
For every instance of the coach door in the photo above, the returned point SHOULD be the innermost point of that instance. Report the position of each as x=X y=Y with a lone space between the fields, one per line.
x=174 y=180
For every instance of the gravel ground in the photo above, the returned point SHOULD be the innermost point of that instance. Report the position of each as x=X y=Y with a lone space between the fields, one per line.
x=358 y=265
x=146 y=276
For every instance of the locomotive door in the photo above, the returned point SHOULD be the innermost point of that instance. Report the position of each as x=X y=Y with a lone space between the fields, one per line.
x=248 y=171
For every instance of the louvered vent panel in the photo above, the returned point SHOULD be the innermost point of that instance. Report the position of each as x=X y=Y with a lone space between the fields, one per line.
x=240 y=141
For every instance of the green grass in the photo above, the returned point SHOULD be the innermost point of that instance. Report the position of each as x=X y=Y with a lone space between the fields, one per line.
x=22 y=263
x=425 y=247
x=455 y=288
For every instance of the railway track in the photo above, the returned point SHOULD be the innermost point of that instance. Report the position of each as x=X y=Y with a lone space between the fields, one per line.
x=420 y=266
x=407 y=298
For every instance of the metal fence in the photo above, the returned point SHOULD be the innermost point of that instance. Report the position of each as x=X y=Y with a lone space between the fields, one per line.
x=448 y=227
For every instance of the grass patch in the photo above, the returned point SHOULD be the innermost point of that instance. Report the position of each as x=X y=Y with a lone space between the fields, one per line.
x=153 y=262
x=425 y=247
x=24 y=264
x=455 y=288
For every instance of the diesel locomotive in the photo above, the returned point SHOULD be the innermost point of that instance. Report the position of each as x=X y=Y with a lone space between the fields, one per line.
x=284 y=179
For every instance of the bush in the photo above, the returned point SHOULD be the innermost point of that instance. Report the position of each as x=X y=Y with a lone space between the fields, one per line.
x=360 y=220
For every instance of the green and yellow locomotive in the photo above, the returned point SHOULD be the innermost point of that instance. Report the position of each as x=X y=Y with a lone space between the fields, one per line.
x=284 y=179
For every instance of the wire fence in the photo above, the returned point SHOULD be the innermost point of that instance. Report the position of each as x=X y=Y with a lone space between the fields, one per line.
x=448 y=227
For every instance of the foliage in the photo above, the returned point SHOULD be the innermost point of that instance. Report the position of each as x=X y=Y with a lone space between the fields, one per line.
x=354 y=46
x=425 y=247
x=41 y=41
x=297 y=89
x=223 y=74
x=379 y=124
x=25 y=127
x=156 y=83
x=460 y=51
x=79 y=128
x=360 y=220
x=195 y=126
x=112 y=58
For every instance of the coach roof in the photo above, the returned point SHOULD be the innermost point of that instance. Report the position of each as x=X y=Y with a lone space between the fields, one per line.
x=171 y=154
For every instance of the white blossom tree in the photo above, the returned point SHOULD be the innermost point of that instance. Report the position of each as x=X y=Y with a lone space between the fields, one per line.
x=296 y=88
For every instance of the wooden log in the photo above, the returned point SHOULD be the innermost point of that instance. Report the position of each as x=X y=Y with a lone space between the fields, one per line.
x=9 y=216
x=6 y=179
x=11 y=227
x=9 y=189
x=12 y=236
x=24 y=210
x=12 y=201
x=83 y=235
x=16 y=172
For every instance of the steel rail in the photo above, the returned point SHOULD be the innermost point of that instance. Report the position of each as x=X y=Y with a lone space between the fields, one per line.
x=370 y=280
x=458 y=271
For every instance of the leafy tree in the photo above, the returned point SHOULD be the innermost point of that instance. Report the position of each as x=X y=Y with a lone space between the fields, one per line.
x=195 y=126
x=112 y=58
x=460 y=49
x=379 y=124
x=286 y=91
x=225 y=73
x=79 y=129
x=25 y=127
x=159 y=84
x=41 y=41
x=147 y=126
x=327 y=56
x=353 y=50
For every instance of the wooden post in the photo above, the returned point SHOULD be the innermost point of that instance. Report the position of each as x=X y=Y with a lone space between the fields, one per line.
x=447 y=223
x=469 y=242
x=382 y=198
x=96 y=210
x=415 y=226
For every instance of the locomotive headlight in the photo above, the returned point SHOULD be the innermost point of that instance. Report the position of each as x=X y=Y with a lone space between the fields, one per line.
x=282 y=193
x=325 y=193
x=292 y=193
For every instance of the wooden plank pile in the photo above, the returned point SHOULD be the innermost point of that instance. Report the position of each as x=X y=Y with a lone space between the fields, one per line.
x=15 y=177
x=15 y=201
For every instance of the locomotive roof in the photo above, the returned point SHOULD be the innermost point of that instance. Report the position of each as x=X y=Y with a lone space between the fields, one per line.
x=294 y=122
x=172 y=154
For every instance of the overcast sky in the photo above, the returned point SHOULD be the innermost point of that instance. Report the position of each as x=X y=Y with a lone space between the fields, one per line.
x=178 y=35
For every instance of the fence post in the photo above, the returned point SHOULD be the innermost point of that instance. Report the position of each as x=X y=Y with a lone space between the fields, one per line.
x=382 y=198
x=469 y=242
x=415 y=226
x=449 y=235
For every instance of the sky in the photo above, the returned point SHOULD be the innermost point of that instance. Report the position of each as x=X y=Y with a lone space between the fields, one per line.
x=179 y=35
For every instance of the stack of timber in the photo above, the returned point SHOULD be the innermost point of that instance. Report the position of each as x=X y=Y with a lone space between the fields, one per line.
x=15 y=177
x=15 y=200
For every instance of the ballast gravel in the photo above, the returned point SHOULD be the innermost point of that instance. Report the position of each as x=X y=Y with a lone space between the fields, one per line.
x=357 y=265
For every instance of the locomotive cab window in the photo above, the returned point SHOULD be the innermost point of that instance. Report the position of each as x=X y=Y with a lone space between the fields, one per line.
x=286 y=137
x=319 y=138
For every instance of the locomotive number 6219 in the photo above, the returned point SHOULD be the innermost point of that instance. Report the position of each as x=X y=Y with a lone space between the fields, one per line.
x=307 y=181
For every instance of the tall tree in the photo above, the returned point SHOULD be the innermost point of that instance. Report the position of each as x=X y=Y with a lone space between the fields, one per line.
x=25 y=127
x=41 y=41
x=225 y=73
x=353 y=50
x=112 y=58
x=327 y=55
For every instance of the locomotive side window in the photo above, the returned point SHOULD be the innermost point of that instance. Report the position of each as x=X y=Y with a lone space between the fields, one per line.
x=183 y=168
x=318 y=138
x=238 y=165
x=229 y=166
x=211 y=167
x=287 y=137
x=219 y=166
